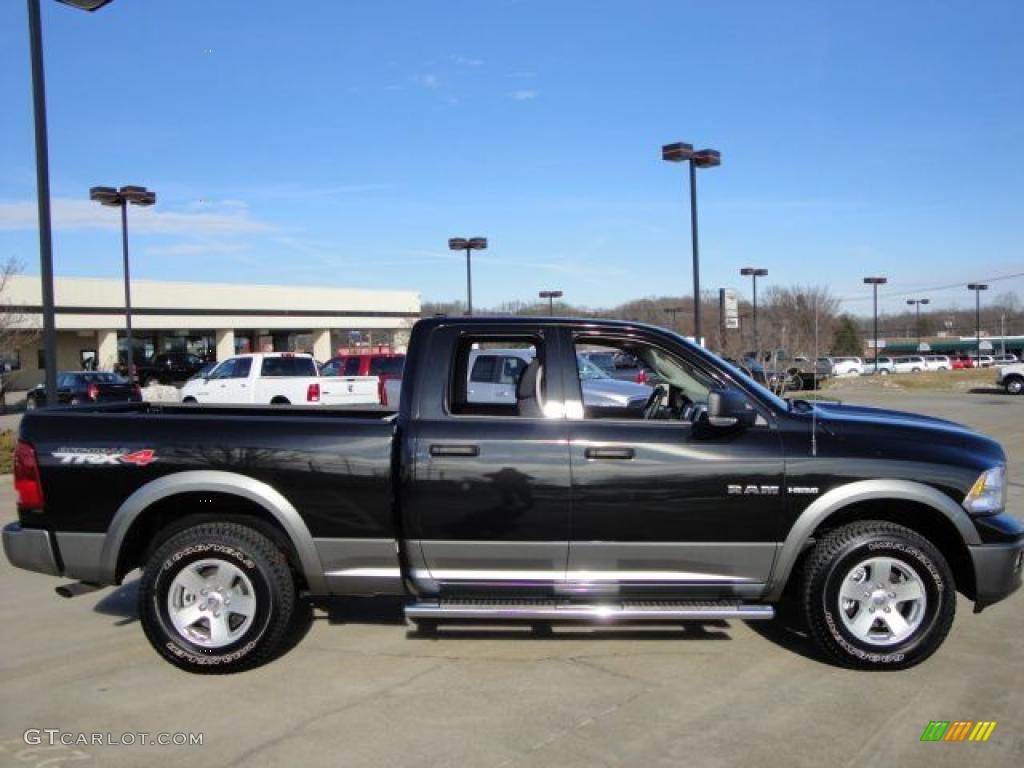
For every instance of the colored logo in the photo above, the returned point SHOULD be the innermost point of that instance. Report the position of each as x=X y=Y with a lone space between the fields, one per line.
x=100 y=457
x=958 y=730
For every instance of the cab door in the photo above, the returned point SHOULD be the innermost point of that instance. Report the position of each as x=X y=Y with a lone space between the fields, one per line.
x=670 y=506
x=237 y=387
x=487 y=505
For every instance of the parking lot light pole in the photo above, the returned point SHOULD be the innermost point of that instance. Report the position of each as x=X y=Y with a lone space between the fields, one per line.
x=754 y=273
x=977 y=288
x=917 y=304
x=35 y=36
x=468 y=244
x=702 y=158
x=874 y=282
x=550 y=296
x=120 y=198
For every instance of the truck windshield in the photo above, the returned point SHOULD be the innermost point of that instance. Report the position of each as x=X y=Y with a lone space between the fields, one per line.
x=761 y=390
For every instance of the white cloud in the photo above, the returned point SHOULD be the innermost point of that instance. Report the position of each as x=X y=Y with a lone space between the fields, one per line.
x=524 y=94
x=187 y=249
x=74 y=215
x=465 y=61
x=428 y=81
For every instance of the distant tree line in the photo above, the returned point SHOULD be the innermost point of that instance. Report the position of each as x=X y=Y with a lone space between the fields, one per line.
x=799 y=319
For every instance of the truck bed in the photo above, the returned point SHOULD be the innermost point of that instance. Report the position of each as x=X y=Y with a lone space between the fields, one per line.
x=333 y=465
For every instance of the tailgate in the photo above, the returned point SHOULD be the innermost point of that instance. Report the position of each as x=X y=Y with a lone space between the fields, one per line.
x=349 y=390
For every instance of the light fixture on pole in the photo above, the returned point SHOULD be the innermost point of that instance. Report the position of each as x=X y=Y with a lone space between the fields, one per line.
x=35 y=36
x=702 y=158
x=120 y=198
x=674 y=311
x=874 y=282
x=916 y=303
x=550 y=296
x=754 y=273
x=977 y=288
x=468 y=244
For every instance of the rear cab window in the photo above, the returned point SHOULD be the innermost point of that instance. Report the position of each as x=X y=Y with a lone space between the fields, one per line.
x=387 y=366
x=287 y=366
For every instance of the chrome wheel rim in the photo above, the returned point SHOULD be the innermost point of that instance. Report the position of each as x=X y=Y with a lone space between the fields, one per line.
x=882 y=601
x=211 y=603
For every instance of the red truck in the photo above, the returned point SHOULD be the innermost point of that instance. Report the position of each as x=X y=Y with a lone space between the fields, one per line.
x=384 y=365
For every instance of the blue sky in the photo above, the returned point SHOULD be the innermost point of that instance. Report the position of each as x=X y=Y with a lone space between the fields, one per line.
x=343 y=143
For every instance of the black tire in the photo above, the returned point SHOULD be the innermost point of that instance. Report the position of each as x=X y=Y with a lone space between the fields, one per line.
x=1014 y=385
x=190 y=400
x=837 y=555
x=280 y=401
x=273 y=597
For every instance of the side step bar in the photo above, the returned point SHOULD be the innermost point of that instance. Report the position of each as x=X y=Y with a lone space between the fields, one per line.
x=540 y=610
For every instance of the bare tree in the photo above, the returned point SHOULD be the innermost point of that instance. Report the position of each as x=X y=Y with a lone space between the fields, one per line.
x=16 y=328
x=790 y=318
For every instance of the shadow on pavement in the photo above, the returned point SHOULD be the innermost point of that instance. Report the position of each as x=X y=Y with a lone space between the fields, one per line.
x=987 y=391
x=366 y=610
x=123 y=602
x=789 y=631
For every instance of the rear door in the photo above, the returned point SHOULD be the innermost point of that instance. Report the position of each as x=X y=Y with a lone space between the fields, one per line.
x=487 y=503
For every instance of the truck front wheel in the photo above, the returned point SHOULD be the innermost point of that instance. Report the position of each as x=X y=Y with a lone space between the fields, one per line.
x=1015 y=385
x=878 y=596
x=217 y=598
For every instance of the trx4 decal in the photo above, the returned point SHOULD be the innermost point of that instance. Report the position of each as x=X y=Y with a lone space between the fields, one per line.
x=104 y=456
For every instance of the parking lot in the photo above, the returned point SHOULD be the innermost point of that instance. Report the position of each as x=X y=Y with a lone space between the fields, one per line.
x=361 y=688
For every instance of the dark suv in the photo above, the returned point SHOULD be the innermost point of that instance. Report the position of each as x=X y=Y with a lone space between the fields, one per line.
x=169 y=367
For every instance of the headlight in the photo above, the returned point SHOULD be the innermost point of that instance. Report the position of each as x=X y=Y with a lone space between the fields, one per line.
x=988 y=494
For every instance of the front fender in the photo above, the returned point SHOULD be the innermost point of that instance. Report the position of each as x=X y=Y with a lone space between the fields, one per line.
x=852 y=493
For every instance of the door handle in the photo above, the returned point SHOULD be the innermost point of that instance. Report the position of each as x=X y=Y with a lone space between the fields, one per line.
x=463 y=451
x=609 y=453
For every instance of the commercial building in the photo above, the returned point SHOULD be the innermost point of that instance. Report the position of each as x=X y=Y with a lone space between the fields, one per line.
x=211 y=319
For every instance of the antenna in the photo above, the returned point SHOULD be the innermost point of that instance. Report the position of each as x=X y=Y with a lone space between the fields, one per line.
x=814 y=378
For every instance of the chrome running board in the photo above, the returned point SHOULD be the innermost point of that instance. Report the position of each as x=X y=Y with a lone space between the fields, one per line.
x=554 y=610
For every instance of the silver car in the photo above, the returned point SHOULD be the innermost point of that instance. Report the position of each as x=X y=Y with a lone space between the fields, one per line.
x=494 y=373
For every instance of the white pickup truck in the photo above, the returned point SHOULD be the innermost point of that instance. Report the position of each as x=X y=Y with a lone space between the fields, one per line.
x=1012 y=378
x=278 y=378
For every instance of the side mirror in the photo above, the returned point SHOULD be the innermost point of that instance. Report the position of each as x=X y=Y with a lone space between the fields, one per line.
x=730 y=408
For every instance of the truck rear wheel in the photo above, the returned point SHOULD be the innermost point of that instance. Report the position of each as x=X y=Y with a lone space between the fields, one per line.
x=217 y=598
x=878 y=596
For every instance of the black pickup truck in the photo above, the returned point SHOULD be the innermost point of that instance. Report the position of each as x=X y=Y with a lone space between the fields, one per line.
x=714 y=499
